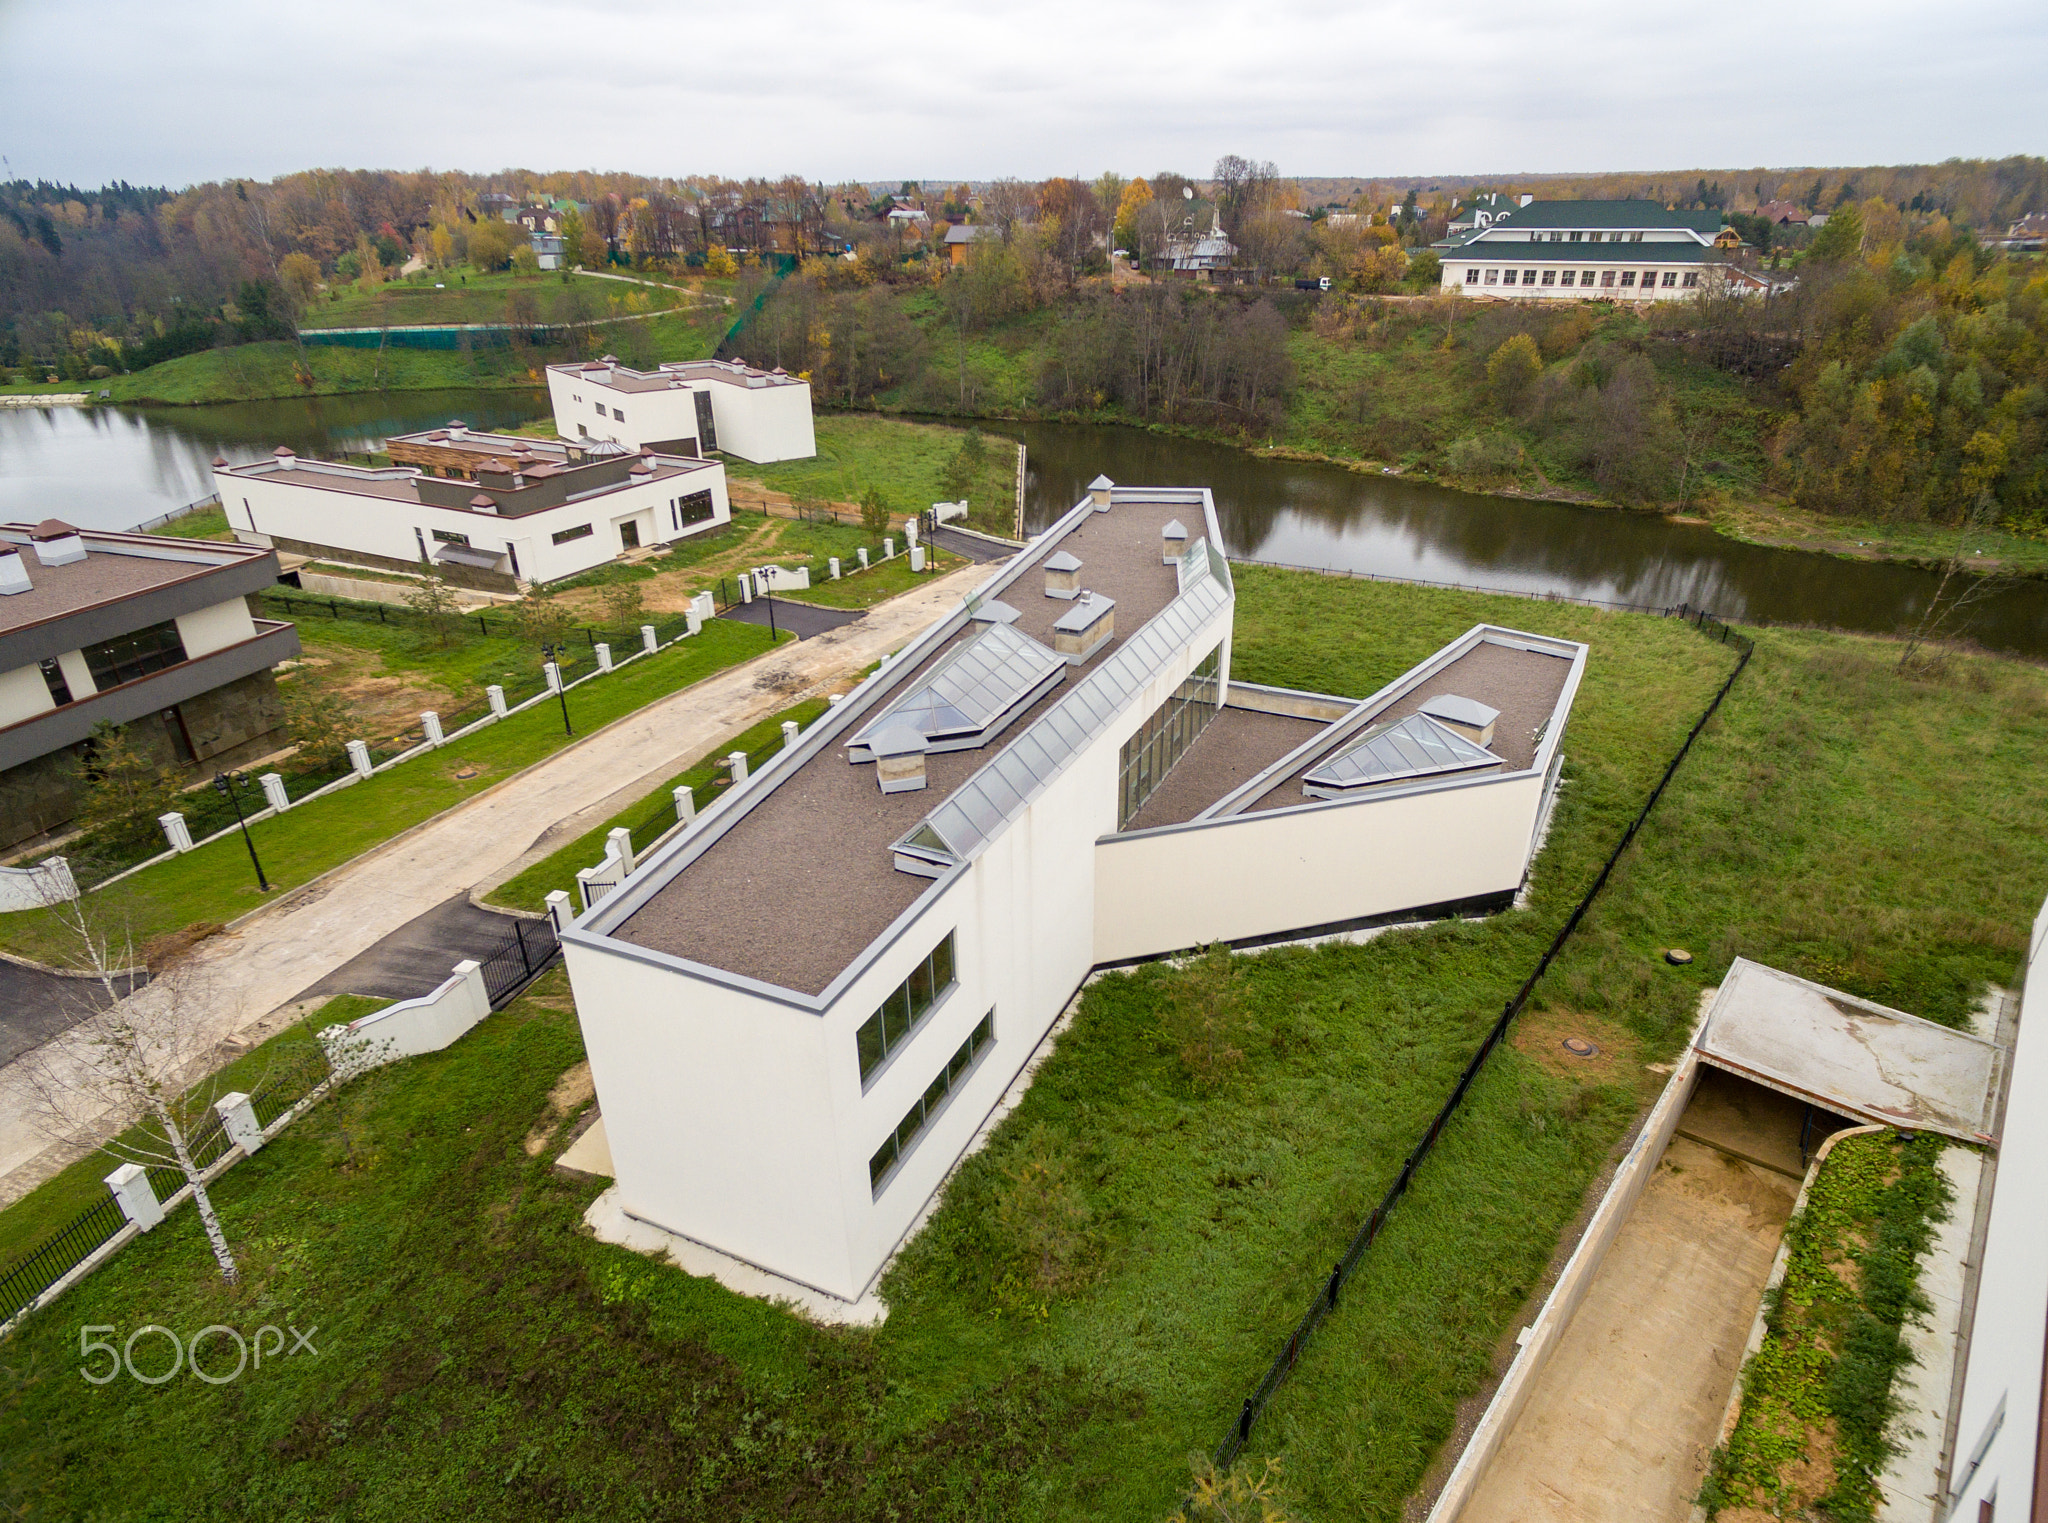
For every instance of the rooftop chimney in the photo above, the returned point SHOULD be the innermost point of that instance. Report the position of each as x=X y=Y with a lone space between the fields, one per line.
x=13 y=572
x=1099 y=490
x=899 y=758
x=1062 y=576
x=56 y=542
x=1173 y=542
x=1524 y=200
x=220 y=462
x=1085 y=628
x=1463 y=716
x=285 y=456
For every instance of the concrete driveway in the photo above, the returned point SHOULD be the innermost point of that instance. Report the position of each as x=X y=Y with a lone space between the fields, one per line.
x=416 y=958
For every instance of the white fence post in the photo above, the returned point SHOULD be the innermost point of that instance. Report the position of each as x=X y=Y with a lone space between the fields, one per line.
x=889 y=549
x=705 y=605
x=238 y=1116
x=273 y=791
x=789 y=734
x=836 y=699
x=686 y=806
x=619 y=843
x=604 y=655
x=746 y=586
x=176 y=831
x=862 y=552
x=497 y=696
x=834 y=567
x=917 y=557
x=648 y=640
x=558 y=909
x=737 y=763
x=583 y=895
x=430 y=722
x=359 y=757
x=554 y=675
x=472 y=976
x=130 y=1184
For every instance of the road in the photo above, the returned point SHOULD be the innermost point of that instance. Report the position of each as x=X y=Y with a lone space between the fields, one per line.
x=276 y=955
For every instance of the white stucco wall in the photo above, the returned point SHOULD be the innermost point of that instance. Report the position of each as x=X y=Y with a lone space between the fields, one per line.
x=23 y=695
x=1259 y=874
x=1458 y=268
x=207 y=630
x=758 y=423
x=260 y=509
x=2011 y=1323
x=764 y=423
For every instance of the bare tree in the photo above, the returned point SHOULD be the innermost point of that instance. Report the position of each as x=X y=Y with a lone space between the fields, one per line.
x=127 y=1067
x=1955 y=590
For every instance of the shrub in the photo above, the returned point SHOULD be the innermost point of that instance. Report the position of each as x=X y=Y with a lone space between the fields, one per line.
x=1512 y=371
x=1041 y=1215
x=874 y=512
x=1486 y=457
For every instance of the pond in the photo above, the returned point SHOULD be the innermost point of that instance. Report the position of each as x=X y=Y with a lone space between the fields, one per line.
x=1325 y=517
x=112 y=468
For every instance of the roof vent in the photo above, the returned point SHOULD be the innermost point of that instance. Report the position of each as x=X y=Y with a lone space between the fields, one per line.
x=1085 y=628
x=1099 y=490
x=220 y=462
x=1062 y=576
x=642 y=468
x=1462 y=716
x=283 y=453
x=56 y=542
x=899 y=757
x=611 y=359
x=483 y=503
x=457 y=429
x=1173 y=542
x=13 y=572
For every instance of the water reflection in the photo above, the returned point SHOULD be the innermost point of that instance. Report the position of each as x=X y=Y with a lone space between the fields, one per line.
x=1325 y=517
x=113 y=467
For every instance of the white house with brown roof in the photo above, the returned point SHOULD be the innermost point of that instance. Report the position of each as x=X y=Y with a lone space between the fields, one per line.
x=693 y=407
x=801 y=1010
x=504 y=510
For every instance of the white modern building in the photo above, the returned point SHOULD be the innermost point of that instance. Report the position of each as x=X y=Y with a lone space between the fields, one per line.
x=506 y=510
x=800 y=1010
x=1602 y=250
x=693 y=407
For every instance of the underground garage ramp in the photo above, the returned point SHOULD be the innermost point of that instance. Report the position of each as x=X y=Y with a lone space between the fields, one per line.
x=1850 y=1056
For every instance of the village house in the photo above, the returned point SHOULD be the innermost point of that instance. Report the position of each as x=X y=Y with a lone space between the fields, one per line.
x=1200 y=255
x=140 y=630
x=961 y=236
x=1612 y=250
x=503 y=510
x=687 y=407
x=1061 y=775
x=1783 y=213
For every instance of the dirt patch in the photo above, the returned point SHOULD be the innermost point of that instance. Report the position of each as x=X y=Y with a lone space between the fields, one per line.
x=172 y=948
x=383 y=702
x=574 y=1090
x=1540 y=1035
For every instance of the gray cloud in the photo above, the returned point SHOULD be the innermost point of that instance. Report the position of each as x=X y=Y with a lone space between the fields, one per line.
x=122 y=89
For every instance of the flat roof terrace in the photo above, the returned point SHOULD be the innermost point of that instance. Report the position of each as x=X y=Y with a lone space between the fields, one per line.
x=116 y=568
x=805 y=880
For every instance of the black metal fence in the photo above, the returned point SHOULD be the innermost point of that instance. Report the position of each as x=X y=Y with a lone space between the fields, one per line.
x=23 y=1282
x=1326 y=1300
x=529 y=947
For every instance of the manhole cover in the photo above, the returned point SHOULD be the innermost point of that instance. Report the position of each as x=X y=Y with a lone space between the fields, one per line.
x=1579 y=1047
x=1678 y=957
x=466 y=773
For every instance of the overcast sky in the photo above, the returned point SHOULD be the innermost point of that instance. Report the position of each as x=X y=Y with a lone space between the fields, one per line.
x=177 y=91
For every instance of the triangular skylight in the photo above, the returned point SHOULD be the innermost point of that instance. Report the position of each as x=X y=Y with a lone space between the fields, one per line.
x=1411 y=748
x=971 y=692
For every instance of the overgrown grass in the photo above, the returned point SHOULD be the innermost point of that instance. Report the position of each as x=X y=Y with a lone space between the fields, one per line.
x=207 y=523
x=481 y=1356
x=64 y=1195
x=214 y=882
x=530 y=889
x=905 y=462
x=1819 y=1390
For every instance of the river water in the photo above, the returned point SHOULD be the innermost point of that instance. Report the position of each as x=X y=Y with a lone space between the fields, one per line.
x=112 y=468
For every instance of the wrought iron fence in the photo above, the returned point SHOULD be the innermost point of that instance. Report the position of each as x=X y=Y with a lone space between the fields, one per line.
x=526 y=952
x=1326 y=1299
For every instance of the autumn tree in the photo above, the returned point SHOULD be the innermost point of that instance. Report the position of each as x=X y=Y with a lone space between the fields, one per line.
x=1512 y=370
x=299 y=274
x=490 y=244
x=1135 y=198
x=570 y=227
x=1842 y=239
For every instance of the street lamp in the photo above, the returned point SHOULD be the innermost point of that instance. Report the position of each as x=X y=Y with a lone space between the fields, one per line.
x=555 y=653
x=224 y=784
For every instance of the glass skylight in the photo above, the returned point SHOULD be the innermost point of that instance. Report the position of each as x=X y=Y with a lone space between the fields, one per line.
x=1399 y=752
x=971 y=690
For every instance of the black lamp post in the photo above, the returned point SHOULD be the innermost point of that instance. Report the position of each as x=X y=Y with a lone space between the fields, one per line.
x=768 y=598
x=224 y=783
x=554 y=653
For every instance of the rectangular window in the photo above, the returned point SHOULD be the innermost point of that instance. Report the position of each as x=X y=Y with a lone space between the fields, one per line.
x=1471 y=277
x=1671 y=277
x=1557 y=237
x=1606 y=278
x=1576 y=237
x=930 y=1102
x=600 y=408
x=1568 y=274
x=53 y=679
x=581 y=531
x=126 y=657
x=1528 y=277
x=693 y=509
x=1164 y=738
x=907 y=1005
x=1628 y=277
x=1492 y=277
x=1550 y=277
x=1692 y=277
x=619 y=413
x=1585 y=277
x=1635 y=237
x=450 y=537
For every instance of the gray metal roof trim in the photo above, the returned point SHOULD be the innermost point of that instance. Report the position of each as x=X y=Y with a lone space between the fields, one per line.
x=975 y=811
x=981 y=680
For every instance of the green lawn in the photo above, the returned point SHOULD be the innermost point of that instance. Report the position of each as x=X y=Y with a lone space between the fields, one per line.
x=481 y=1356
x=906 y=462
x=207 y=523
x=215 y=882
x=530 y=889
x=470 y=296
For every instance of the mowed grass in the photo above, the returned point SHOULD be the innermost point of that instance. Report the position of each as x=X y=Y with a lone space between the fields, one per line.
x=905 y=462
x=480 y=1356
x=216 y=882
